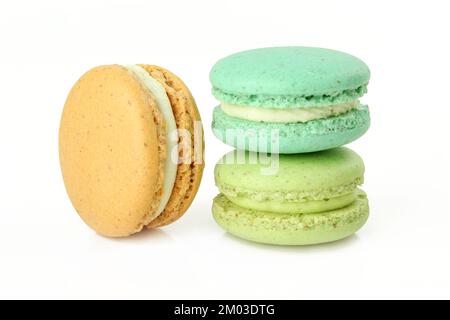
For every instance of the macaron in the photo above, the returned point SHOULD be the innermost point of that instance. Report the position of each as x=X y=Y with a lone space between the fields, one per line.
x=289 y=99
x=298 y=199
x=130 y=148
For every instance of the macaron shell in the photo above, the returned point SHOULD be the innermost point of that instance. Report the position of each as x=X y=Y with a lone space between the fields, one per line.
x=112 y=148
x=283 y=77
x=191 y=147
x=291 y=229
x=295 y=137
x=298 y=177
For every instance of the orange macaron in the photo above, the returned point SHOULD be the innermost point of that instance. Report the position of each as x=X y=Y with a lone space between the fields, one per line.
x=131 y=148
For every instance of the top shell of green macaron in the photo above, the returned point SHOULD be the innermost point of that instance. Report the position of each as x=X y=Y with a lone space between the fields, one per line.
x=283 y=77
x=298 y=176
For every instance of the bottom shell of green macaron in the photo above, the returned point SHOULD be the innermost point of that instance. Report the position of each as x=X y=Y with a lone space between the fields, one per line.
x=291 y=228
x=295 y=137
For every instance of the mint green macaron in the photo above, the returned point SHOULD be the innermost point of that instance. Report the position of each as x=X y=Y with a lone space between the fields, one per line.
x=307 y=99
x=299 y=199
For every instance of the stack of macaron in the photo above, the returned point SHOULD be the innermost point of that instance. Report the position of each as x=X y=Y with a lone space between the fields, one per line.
x=289 y=111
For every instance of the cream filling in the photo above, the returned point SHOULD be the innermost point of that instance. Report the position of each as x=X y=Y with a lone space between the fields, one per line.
x=286 y=115
x=163 y=103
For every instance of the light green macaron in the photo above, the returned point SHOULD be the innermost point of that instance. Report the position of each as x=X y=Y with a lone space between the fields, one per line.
x=296 y=199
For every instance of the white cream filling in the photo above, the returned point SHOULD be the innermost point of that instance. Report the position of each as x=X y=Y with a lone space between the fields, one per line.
x=286 y=115
x=163 y=103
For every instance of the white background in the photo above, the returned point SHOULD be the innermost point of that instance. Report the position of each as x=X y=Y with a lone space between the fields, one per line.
x=403 y=251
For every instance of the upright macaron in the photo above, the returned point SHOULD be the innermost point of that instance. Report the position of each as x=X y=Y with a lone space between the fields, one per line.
x=289 y=99
x=298 y=199
x=131 y=148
